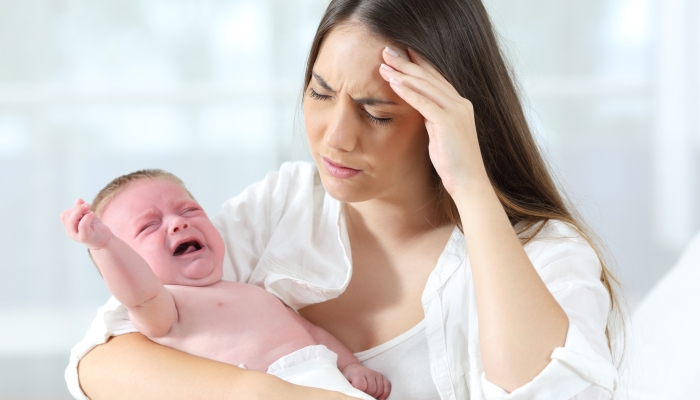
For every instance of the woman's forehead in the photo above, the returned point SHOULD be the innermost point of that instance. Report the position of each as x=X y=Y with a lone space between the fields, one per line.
x=349 y=61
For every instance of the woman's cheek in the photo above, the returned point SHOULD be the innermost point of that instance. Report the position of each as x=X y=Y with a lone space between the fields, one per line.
x=314 y=131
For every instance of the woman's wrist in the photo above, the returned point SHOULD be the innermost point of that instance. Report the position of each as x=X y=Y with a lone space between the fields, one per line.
x=470 y=188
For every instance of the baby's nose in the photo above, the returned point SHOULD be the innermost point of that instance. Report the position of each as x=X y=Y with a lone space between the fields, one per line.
x=178 y=225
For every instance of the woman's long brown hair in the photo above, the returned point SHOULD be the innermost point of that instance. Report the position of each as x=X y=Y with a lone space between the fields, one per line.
x=457 y=38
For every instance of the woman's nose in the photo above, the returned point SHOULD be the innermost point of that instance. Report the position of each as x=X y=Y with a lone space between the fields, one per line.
x=342 y=130
x=179 y=224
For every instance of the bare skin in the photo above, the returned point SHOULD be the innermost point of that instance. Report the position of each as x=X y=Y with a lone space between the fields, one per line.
x=395 y=234
x=520 y=323
x=178 y=376
x=195 y=311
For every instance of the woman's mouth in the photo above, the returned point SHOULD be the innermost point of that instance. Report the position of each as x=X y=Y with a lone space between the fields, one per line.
x=338 y=170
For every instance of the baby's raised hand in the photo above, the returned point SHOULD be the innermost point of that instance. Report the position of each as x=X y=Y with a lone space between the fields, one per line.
x=369 y=381
x=82 y=225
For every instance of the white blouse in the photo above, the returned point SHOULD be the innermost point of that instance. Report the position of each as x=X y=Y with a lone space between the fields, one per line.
x=287 y=235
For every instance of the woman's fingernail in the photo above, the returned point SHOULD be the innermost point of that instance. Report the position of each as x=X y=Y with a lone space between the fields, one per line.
x=395 y=82
x=386 y=67
x=391 y=51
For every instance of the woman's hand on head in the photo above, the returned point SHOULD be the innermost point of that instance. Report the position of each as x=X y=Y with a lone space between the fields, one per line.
x=449 y=118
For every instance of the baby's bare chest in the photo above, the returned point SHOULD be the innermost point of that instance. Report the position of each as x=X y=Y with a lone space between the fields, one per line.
x=224 y=314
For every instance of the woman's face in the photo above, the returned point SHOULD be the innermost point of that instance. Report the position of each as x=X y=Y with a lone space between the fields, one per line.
x=367 y=142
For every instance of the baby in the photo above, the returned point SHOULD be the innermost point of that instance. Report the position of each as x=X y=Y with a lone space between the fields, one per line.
x=162 y=258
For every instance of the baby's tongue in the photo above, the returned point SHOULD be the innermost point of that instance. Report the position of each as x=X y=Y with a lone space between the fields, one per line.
x=189 y=249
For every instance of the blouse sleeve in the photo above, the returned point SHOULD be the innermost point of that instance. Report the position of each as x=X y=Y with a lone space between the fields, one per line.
x=583 y=368
x=247 y=223
x=112 y=320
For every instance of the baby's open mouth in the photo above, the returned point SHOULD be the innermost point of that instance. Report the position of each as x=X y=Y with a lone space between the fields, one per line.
x=187 y=248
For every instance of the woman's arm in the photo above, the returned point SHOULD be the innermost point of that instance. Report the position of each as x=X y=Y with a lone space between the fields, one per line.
x=133 y=367
x=520 y=322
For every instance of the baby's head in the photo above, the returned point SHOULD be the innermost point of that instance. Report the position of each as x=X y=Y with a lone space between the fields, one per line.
x=153 y=212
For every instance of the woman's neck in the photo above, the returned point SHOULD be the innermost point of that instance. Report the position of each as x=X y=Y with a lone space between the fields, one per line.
x=397 y=217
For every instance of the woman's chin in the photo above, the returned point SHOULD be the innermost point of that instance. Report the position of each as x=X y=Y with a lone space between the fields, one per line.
x=344 y=190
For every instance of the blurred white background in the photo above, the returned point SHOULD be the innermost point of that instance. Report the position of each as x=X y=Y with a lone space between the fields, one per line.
x=209 y=89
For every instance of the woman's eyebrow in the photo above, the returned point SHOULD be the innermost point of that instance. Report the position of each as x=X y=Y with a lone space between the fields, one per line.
x=371 y=101
x=322 y=82
x=367 y=101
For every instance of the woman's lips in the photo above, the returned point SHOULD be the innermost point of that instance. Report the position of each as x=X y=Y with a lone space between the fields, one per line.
x=339 y=171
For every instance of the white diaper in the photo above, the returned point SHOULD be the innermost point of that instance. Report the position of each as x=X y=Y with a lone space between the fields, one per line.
x=314 y=366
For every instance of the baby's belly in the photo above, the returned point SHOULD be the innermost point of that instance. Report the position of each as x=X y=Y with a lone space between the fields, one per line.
x=254 y=330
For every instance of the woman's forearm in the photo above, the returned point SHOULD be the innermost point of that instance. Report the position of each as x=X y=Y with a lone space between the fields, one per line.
x=133 y=367
x=520 y=322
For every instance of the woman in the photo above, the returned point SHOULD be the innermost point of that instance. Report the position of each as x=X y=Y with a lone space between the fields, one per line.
x=423 y=153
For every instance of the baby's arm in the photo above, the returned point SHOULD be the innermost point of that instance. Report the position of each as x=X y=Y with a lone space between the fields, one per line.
x=127 y=275
x=369 y=381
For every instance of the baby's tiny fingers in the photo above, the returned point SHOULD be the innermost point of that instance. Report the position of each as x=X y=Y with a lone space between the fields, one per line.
x=387 y=389
x=360 y=383
x=379 y=386
x=73 y=218
x=371 y=386
x=85 y=222
x=64 y=215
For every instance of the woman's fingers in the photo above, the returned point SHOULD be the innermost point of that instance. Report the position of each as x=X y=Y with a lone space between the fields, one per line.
x=430 y=111
x=418 y=85
x=423 y=71
x=428 y=108
x=432 y=71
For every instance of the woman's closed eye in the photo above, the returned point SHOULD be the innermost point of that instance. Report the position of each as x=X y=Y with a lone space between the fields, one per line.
x=373 y=119
x=377 y=120
x=315 y=95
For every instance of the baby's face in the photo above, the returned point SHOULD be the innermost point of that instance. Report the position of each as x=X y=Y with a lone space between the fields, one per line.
x=169 y=230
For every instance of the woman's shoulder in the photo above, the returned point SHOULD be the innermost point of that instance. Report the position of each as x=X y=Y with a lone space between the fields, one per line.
x=301 y=170
x=286 y=219
x=292 y=182
x=294 y=189
x=295 y=179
